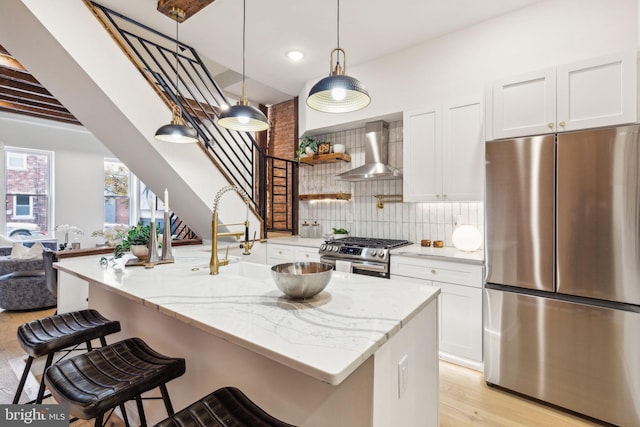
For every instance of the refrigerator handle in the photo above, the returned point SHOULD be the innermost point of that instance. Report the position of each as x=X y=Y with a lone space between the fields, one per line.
x=486 y=252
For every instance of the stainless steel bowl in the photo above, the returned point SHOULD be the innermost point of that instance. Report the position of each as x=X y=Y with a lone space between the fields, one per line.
x=302 y=279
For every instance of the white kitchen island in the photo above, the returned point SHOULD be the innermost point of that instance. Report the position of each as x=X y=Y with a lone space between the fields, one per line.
x=364 y=352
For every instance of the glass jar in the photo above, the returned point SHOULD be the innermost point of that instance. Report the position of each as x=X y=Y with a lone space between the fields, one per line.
x=316 y=230
x=305 y=230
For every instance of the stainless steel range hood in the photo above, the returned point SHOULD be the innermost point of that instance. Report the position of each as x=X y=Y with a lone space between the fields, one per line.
x=375 y=156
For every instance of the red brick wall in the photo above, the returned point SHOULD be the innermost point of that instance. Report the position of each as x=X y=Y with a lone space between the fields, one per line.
x=282 y=143
x=283 y=135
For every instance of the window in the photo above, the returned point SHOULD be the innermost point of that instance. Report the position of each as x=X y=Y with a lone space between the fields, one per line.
x=117 y=190
x=27 y=181
x=16 y=161
x=23 y=208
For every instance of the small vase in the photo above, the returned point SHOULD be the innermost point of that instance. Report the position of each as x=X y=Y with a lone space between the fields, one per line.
x=309 y=151
x=141 y=252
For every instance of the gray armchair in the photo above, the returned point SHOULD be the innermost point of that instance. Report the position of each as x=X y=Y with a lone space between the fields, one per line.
x=23 y=284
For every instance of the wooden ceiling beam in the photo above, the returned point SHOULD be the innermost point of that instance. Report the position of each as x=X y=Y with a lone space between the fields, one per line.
x=21 y=93
x=190 y=7
x=25 y=88
x=18 y=98
x=36 y=112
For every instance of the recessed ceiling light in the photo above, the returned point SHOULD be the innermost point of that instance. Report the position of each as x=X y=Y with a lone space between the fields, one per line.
x=295 y=55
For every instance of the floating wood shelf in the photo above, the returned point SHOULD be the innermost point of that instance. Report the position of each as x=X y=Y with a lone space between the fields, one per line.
x=325 y=158
x=325 y=196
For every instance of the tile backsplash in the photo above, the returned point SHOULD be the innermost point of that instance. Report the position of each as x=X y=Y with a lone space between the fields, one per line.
x=411 y=221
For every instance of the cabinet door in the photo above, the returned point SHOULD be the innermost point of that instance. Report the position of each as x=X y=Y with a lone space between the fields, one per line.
x=524 y=105
x=597 y=92
x=463 y=150
x=279 y=254
x=304 y=254
x=460 y=324
x=421 y=152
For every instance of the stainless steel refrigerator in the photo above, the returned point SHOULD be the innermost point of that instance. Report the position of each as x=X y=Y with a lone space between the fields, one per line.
x=562 y=296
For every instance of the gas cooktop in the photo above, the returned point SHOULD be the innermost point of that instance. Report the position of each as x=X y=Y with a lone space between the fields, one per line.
x=368 y=242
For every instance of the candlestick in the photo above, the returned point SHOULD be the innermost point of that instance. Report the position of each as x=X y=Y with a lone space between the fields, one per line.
x=167 y=253
x=166 y=200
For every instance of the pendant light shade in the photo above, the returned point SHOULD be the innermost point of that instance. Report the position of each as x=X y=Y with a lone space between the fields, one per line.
x=242 y=116
x=338 y=93
x=177 y=131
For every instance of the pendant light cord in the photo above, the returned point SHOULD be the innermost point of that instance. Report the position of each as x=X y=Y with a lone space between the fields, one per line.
x=244 y=36
x=338 y=31
x=338 y=24
x=177 y=43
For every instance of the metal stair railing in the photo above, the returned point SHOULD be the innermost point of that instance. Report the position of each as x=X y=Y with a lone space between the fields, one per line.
x=192 y=87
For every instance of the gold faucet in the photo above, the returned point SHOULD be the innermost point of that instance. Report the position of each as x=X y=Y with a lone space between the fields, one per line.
x=215 y=263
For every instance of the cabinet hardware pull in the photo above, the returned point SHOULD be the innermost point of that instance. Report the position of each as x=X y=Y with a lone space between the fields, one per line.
x=562 y=123
x=433 y=271
x=550 y=125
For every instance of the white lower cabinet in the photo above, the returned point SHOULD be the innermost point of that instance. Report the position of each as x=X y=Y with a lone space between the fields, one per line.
x=460 y=304
x=279 y=254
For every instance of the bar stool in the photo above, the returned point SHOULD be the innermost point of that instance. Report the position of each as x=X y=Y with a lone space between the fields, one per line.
x=225 y=407
x=99 y=381
x=60 y=333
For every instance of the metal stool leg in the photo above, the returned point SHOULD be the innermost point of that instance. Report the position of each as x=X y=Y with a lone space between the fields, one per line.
x=42 y=386
x=23 y=380
x=166 y=399
x=143 y=419
x=124 y=415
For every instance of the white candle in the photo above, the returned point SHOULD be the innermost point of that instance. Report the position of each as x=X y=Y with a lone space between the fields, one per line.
x=153 y=210
x=166 y=200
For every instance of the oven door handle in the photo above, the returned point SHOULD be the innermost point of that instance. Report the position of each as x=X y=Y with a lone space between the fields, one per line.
x=379 y=268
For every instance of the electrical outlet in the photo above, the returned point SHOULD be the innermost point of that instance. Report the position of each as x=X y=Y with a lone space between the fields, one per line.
x=403 y=375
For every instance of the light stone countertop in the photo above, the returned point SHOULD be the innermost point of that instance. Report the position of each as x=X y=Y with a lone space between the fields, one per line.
x=445 y=254
x=297 y=241
x=413 y=250
x=326 y=337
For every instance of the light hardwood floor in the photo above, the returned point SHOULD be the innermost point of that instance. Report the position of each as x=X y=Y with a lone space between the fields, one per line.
x=465 y=400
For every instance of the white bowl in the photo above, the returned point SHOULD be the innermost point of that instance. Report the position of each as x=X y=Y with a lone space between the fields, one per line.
x=338 y=148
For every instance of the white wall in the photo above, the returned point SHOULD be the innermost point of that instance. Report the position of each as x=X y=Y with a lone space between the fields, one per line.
x=78 y=195
x=459 y=64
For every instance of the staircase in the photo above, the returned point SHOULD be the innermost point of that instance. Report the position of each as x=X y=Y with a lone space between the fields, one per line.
x=109 y=92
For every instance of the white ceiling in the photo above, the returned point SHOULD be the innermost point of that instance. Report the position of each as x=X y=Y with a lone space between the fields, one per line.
x=369 y=29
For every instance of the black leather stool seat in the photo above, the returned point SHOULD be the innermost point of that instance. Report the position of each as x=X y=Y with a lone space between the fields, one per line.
x=225 y=407
x=95 y=382
x=60 y=331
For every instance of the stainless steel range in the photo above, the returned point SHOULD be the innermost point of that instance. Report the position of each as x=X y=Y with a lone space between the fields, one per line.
x=364 y=255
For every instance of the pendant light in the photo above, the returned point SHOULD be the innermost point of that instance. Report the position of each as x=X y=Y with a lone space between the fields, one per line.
x=177 y=131
x=338 y=93
x=242 y=116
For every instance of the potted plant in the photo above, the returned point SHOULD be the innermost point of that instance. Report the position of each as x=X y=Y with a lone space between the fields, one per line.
x=136 y=240
x=308 y=147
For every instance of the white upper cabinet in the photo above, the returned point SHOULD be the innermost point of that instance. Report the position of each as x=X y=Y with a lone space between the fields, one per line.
x=421 y=154
x=586 y=94
x=463 y=150
x=443 y=152
x=523 y=105
x=598 y=92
